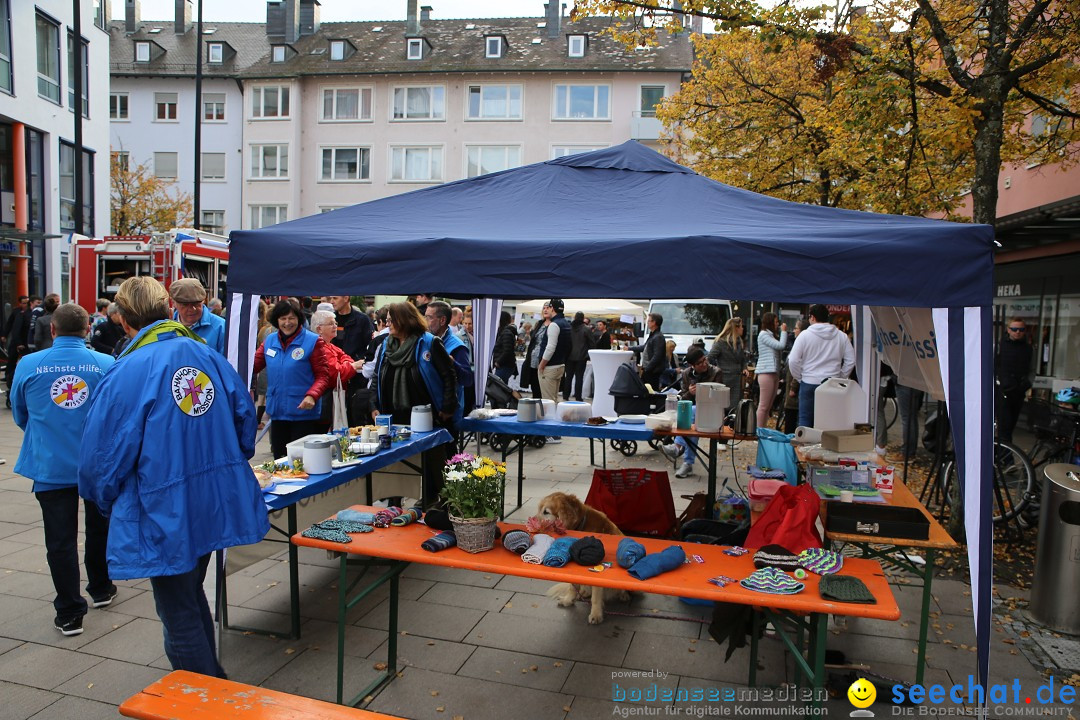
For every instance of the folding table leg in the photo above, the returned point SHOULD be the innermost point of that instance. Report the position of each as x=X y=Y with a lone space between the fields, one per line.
x=928 y=578
x=294 y=576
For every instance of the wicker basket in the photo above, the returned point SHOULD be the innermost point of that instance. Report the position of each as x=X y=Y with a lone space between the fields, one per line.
x=474 y=534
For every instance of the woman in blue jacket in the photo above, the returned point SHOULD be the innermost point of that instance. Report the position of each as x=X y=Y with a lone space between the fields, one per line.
x=165 y=454
x=768 y=364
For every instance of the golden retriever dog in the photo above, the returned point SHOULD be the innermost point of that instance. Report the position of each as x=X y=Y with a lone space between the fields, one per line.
x=576 y=515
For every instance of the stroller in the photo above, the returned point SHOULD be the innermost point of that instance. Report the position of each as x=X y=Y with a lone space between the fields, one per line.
x=633 y=398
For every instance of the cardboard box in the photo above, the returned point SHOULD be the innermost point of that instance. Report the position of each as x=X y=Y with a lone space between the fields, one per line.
x=847 y=441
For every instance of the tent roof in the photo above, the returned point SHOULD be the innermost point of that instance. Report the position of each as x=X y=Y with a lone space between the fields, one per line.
x=620 y=221
x=601 y=307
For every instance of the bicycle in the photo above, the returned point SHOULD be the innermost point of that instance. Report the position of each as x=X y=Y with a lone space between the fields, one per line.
x=1014 y=478
x=1057 y=439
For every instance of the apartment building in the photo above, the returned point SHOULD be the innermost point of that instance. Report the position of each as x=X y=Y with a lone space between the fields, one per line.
x=326 y=115
x=38 y=159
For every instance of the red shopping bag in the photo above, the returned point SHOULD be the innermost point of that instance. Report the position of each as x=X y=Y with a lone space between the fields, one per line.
x=637 y=500
x=789 y=520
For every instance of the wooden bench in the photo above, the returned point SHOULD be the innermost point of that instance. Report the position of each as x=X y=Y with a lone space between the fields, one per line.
x=182 y=694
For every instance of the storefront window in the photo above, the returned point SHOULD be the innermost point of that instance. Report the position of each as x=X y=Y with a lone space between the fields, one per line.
x=1066 y=338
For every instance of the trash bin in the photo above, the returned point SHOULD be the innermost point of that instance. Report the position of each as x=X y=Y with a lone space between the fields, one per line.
x=1057 y=559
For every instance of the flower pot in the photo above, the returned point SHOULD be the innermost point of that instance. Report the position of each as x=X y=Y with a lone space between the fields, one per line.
x=474 y=534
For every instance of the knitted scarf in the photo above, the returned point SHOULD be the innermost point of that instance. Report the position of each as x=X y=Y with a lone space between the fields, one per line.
x=155 y=333
x=401 y=355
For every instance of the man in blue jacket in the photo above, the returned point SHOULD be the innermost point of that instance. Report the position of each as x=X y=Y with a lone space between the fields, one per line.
x=50 y=396
x=189 y=296
x=165 y=454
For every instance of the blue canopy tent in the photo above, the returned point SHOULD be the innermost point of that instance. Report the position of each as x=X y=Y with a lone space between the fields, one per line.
x=626 y=221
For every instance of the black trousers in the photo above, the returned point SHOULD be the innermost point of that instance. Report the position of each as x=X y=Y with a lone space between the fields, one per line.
x=283 y=432
x=1009 y=405
x=574 y=378
x=60 y=515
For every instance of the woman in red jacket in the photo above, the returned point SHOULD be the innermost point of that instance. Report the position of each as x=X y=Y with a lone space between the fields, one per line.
x=342 y=366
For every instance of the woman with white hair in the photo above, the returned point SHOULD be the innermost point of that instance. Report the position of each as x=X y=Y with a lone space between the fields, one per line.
x=342 y=367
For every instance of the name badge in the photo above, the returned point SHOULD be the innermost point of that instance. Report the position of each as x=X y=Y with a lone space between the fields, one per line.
x=271 y=353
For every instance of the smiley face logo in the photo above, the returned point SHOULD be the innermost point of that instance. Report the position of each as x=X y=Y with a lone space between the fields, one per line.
x=862 y=693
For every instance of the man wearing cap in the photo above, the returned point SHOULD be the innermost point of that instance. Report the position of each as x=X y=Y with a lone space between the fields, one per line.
x=189 y=296
x=698 y=370
x=554 y=349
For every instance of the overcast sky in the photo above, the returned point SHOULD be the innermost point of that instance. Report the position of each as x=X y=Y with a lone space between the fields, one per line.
x=339 y=10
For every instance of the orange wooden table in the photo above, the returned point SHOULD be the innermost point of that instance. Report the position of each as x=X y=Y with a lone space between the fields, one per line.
x=395 y=548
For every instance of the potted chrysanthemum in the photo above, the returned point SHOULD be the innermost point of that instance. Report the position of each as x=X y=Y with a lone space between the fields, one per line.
x=473 y=491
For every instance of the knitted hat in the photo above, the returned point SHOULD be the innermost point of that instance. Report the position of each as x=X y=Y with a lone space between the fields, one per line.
x=845 y=588
x=776 y=556
x=517 y=541
x=772 y=581
x=821 y=561
x=587 y=551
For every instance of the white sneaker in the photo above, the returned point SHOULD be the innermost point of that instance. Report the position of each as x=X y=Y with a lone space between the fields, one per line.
x=554 y=440
x=685 y=470
x=671 y=450
x=722 y=447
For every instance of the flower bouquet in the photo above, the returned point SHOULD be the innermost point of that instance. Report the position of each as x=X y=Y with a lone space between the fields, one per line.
x=473 y=491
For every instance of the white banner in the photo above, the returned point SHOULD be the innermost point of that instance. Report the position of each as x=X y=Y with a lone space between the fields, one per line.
x=906 y=340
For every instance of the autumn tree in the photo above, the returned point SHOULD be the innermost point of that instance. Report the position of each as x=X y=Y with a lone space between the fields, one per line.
x=142 y=203
x=994 y=80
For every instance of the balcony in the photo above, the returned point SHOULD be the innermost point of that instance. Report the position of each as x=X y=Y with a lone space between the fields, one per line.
x=644 y=126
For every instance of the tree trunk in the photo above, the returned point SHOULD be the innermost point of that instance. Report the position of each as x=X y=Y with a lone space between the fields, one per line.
x=989 y=134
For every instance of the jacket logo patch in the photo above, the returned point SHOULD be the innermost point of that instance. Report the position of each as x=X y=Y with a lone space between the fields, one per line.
x=297 y=353
x=427 y=355
x=69 y=391
x=192 y=391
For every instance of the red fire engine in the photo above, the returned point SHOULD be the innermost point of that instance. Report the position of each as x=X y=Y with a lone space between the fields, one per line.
x=100 y=265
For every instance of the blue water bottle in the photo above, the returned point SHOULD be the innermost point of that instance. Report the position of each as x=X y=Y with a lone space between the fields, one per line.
x=684 y=415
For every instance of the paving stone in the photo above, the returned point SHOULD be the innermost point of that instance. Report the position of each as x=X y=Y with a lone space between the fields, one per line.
x=22 y=701
x=110 y=681
x=619 y=614
x=410 y=696
x=250 y=659
x=427 y=653
x=37 y=626
x=313 y=673
x=950 y=596
x=359 y=641
x=704 y=659
x=8 y=644
x=42 y=666
x=457 y=576
x=75 y=708
x=14 y=531
x=13 y=607
x=17 y=514
x=27 y=584
x=28 y=535
x=466 y=596
x=241 y=619
x=602 y=644
x=420 y=618
x=531 y=586
x=139 y=641
x=598 y=681
x=136 y=603
x=28 y=558
x=514 y=668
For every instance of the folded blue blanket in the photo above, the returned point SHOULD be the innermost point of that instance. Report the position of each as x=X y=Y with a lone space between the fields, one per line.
x=629 y=552
x=350 y=514
x=661 y=562
x=559 y=552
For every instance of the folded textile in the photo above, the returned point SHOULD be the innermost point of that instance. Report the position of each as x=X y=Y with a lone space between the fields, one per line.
x=349 y=526
x=438 y=519
x=771 y=474
x=442 y=541
x=776 y=556
x=587 y=551
x=559 y=552
x=629 y=552
x=845 y=588
x=772 y=581
x=409 y=516
x=535 y=554
x=386 y=515
x=821 y=561
x=329 y=534
x=356 y=516
x=656 y=563
x=517 y=541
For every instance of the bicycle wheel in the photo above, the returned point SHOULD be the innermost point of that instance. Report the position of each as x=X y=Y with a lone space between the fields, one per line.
x=1014 y=479
x=892 y=411
x=950 y=500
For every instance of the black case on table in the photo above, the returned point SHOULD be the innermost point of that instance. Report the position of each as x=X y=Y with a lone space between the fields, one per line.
x=875 y=520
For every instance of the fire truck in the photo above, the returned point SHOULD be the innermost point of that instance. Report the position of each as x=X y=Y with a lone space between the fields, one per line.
x=100 y=265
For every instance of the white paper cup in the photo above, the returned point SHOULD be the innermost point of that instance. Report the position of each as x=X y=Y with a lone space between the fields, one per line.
x=847 y=496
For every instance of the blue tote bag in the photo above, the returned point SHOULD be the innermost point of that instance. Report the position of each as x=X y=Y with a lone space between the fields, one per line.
x=775 y=452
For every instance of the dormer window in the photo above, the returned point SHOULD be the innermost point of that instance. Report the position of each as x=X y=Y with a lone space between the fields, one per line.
x=415 y=49
x=215 y=52
x=337 y=49
x=493 y=46
x=576 y=46
x=277 y=53
x=142 y=52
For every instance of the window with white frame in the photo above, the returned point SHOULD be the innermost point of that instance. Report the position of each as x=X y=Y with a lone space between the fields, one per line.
x=340 y=164
x=493 y=46
x=484 y=159
x=121 y=159
x=215 y=53
x=165 y=165
x=142 y=52
x=582 y=102
x=48 y=58
x=494 y=102
x=337 y=49
x=575 y=46
x=213 y=107
x=270 y=102
x=71 y=65
x=651 y=95
x=267 y=215
x=118 y=106
x=164 y=107
x=420 y=103
x=347 y=104
x=67 y=171
x=323 y=209
x=212 y=221
x=6 y=81
x=415 y=49
x=269 y=162
x=213 y=166
x=416 y=164
x=277 y=53
x=558 y=151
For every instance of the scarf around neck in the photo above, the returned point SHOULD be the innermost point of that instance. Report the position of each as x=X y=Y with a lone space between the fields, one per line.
x=158 y=332
x=401 y=355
